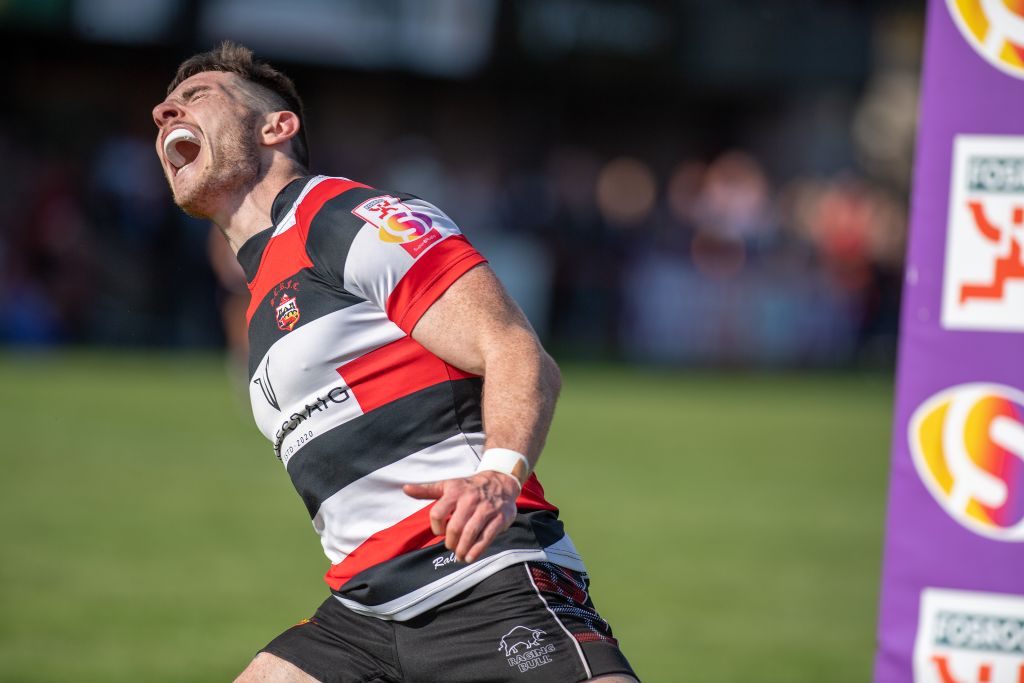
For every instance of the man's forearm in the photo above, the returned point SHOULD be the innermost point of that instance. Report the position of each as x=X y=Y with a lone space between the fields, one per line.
x=521 y=385
x=475 y=326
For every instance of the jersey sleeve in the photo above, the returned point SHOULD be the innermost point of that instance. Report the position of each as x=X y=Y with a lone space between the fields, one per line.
x=403 y=253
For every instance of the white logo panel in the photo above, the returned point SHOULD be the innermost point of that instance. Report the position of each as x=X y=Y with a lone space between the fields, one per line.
x=969 y=637
x=983 y=283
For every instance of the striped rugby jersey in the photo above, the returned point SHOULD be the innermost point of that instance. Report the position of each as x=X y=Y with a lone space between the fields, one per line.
x=355 y=408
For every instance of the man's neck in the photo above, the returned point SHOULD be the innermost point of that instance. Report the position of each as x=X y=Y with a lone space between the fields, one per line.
x=251 y=210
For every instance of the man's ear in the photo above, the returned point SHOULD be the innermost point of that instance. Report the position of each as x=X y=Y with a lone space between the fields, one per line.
x=278 y=127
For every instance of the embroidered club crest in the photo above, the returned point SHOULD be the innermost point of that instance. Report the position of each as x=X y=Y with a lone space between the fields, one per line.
x=287 y=313
x=286 y=305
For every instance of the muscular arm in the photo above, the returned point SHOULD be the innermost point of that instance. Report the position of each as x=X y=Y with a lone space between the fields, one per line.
x=476 y=327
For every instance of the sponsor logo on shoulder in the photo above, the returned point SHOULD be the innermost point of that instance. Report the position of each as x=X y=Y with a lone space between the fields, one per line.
x=524 y=650
x=396 y=223
x=968 y=637
x=983 y=283
x=967 y=443
x=286 y=305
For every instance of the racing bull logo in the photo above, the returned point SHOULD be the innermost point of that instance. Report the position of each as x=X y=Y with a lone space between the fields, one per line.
x=520 y=637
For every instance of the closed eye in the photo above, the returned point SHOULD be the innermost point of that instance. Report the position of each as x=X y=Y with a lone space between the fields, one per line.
x=193 y=94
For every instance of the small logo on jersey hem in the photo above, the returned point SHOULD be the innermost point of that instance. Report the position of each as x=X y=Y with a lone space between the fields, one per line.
x=523 y=649
x=444 y=560
x=286 y=305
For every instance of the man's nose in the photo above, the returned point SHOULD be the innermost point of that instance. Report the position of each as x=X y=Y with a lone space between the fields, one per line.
x=164 y=112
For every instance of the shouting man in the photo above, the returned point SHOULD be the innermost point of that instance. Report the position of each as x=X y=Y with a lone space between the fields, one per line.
x=406 y=396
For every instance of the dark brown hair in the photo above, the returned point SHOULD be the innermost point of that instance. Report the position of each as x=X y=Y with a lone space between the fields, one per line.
x=274 y=91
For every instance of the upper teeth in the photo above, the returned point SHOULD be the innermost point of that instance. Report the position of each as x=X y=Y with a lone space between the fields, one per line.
x=172 y=139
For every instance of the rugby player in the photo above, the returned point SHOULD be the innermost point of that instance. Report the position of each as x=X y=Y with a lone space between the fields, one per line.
x=406 y=395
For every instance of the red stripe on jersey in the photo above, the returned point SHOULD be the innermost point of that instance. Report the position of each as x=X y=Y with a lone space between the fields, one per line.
x=532 y=497
x=289 y=248
x=428 y=278
x=290 y=258
x=393 y=371
x=318 y=196
x=411 y=533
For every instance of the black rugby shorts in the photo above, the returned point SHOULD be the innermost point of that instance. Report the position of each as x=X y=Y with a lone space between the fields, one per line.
x=527 y=623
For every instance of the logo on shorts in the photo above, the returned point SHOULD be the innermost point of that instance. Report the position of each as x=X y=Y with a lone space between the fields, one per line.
x=995 y=29
x=523 y=649
x=983 y=282
x=968 y=447
x=286 y=305
x=396 y=223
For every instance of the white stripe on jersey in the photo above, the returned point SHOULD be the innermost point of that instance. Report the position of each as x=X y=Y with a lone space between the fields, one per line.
x=378 y=500
x=319 y=413
x=304 y=366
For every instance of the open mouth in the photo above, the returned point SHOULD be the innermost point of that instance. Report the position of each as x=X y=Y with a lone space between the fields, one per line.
x=181 y=147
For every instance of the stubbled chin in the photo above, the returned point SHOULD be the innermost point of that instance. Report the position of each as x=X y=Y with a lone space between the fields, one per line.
x=189 y=192
x=207 y=186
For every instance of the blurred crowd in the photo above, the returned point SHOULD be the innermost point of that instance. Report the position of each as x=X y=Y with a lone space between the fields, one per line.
x=655 y=231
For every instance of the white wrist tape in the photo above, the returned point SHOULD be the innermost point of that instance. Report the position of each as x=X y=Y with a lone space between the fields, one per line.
x=505 y=460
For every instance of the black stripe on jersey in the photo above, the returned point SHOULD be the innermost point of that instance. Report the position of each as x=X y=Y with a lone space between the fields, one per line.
x=350 y=451
x=314 y=298
x=467 y=396
x=531 y=530
x=287 y=196
x=251 y=252
x=334 y=227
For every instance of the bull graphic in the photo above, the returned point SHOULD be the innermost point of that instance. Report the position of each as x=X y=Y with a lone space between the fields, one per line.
x=520 y=637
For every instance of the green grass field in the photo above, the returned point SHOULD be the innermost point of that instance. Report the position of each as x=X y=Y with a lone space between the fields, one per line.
x=732 y=523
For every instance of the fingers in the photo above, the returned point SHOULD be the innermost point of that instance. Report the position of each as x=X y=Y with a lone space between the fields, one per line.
x=442 y=509
x=482 y=513
x=431 y=490
x=469 y=512
x=464 y=522
x=439 y=513
x=493 y=528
